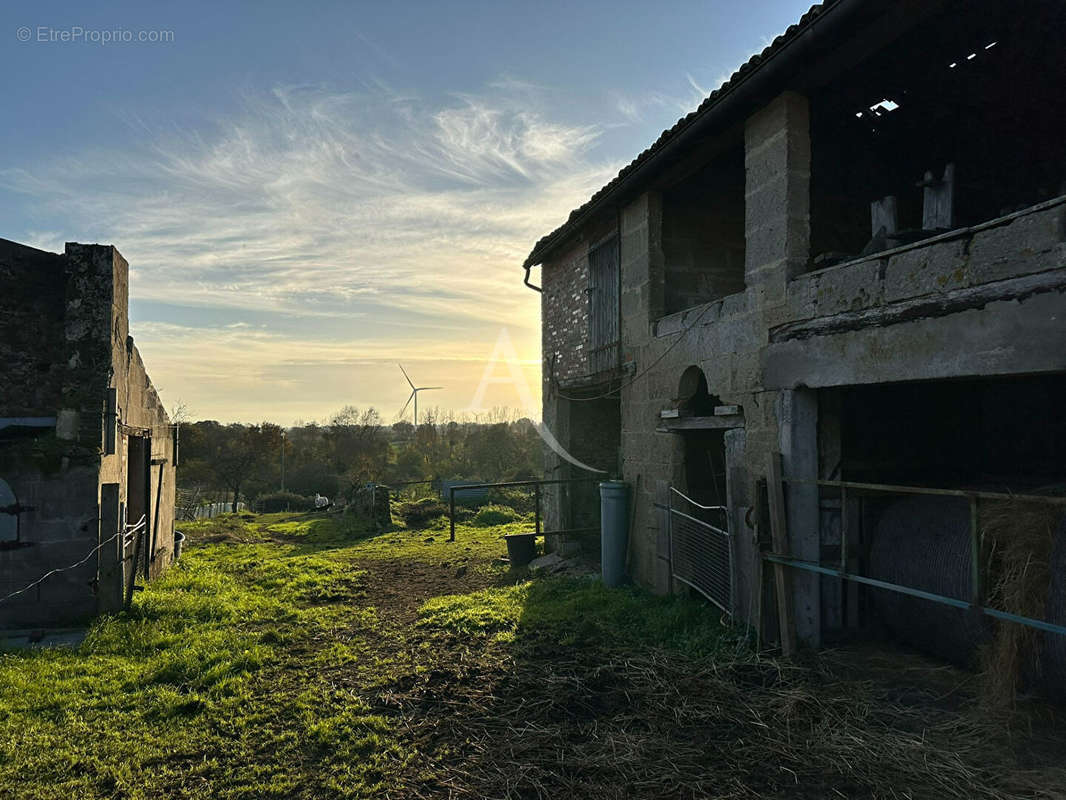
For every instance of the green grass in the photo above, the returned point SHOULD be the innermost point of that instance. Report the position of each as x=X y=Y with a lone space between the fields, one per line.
x=581 y=611
x=243 y=672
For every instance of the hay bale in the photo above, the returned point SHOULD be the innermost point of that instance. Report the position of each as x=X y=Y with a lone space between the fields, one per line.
x=1052 y=663
x=1018 y=537
x=924 y=542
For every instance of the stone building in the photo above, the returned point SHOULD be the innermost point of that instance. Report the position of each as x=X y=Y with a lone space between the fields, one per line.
x=86 y=448
x=852 y=254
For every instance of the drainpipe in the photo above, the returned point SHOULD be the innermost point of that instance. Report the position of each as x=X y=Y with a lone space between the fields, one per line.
x=526 y=279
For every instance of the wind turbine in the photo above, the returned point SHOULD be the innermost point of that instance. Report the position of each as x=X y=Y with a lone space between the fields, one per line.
x=414 y=393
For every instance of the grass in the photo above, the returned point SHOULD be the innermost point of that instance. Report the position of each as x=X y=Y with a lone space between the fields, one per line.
x=222 y=680
x=188 y=690
x=303 y=656
x=571 y=611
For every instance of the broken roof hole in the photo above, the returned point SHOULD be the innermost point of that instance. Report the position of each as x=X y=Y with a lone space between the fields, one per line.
x=884 y=105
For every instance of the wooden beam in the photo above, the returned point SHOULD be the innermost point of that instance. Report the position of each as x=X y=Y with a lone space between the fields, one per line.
x=779 y=533
x=723 y=422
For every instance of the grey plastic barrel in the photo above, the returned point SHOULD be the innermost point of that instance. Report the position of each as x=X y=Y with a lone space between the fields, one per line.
x=614 y=531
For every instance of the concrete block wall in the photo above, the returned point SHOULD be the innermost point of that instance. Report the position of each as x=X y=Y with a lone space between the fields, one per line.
x=777 y=161
x=987 y=301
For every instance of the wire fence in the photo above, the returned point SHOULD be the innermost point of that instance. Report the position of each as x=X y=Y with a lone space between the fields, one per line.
x=125 y=533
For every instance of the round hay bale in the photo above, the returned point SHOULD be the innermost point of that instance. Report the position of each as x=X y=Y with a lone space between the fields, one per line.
x=924 y=542
x=1018 y=538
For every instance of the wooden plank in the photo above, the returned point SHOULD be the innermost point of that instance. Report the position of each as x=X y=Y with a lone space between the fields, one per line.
x=702 y=423
x=759 y=513
x=779 y=534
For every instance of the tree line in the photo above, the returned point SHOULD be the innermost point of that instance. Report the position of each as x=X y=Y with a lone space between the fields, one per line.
x=243 y=462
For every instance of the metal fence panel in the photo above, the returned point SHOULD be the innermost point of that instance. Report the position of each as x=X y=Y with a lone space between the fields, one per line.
x=701 y=552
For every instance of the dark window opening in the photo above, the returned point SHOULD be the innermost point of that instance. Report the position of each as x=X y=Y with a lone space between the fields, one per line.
x=957 y=122
x=1005 y=434
x=704 y=450
x=695 y=400
x=703 y=234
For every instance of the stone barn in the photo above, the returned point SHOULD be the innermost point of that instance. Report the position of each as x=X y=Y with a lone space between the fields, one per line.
x=849 y=259
x=87 y=452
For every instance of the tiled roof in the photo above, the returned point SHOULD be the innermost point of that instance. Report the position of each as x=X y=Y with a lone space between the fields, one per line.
x=547 y=243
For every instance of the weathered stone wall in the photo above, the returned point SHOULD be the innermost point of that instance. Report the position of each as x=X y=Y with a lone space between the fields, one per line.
x=565 y=315
x=58 y=471
x=991 y=300
x=32 y=306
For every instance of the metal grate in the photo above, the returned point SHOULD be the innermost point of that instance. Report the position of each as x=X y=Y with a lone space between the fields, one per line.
x=701 y=551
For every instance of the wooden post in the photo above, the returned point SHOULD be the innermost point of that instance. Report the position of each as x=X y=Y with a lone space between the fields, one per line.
x=133 y=566
x=451 y=505
x=111 y=584
x=155 y=517
x=779 y=533
x=536 y=508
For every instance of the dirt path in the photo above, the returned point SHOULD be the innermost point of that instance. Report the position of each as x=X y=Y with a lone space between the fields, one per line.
x=544 y=715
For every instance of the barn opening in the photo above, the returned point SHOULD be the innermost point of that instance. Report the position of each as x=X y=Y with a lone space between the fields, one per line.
x=595 y=439
x=923 y=136
x=704 y=449
x=987 y=435
x=703 y=232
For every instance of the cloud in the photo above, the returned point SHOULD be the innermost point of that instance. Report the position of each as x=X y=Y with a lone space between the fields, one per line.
x=311 y=201
x=403 y=217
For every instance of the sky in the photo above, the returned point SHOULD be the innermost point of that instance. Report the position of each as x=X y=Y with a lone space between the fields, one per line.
x=310 y=193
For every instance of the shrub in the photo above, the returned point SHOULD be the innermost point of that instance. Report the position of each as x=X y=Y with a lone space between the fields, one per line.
x=419 y=513
x=519 y=499
x=494 y=515
x=283 y=501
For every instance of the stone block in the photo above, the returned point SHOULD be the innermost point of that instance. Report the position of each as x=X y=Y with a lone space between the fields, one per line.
x=933 y=269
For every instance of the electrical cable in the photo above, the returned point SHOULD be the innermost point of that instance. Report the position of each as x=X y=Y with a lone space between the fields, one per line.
x=647 y=369
x=92 y=552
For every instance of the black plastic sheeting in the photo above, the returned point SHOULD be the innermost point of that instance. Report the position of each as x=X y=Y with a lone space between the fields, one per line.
x=924 y=542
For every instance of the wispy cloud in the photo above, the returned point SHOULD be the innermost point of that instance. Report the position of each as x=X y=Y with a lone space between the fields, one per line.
x=309 y=200
x=373 y=206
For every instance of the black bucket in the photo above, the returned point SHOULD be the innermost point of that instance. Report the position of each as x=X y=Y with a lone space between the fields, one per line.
x=521 y=548
x=179 y=540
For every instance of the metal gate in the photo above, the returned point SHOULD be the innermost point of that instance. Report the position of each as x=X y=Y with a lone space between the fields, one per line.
x=603 y=307
x=700 y=548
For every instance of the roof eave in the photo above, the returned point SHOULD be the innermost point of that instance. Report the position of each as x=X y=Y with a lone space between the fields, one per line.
x=745 y=87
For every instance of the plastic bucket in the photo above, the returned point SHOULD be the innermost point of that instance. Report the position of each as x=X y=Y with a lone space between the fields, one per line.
x=521 y=548
x=614 y=531
x=179 y=540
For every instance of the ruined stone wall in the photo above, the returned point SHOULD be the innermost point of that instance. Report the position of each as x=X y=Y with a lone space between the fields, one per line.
x=32 y=306
x=54 y=470
x=58 y=471
x=140 y=413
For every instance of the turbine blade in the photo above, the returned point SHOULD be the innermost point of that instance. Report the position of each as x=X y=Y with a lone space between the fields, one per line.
x=424 y=388
x=406 y=375
x=405 y=405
